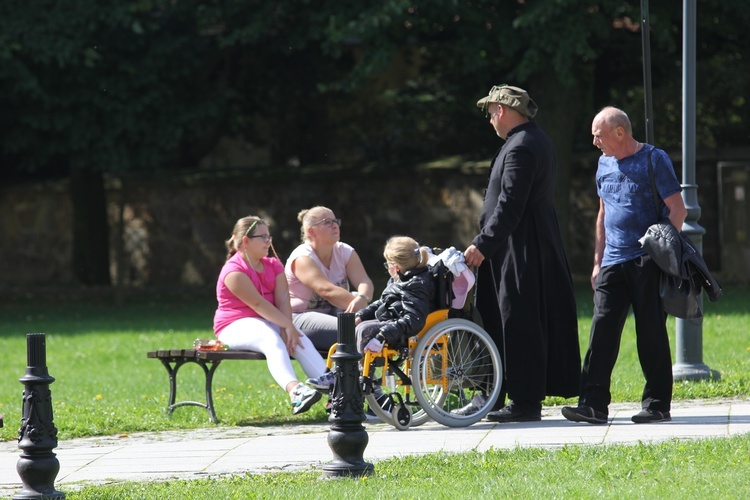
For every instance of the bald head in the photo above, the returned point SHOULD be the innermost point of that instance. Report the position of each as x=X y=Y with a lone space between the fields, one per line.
x=613 y=134
x=612 y=118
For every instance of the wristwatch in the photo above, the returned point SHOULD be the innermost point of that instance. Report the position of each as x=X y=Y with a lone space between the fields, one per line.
x=357 y=294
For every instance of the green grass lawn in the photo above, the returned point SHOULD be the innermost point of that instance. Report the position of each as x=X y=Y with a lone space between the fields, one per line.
x=104 y=384
x=679 y=469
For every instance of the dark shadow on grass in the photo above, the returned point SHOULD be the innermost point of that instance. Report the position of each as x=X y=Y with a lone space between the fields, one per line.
x=277 y=422
x=545 y=423
x=691 y=420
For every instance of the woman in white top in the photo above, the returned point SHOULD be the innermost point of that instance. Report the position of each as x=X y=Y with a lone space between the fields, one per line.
x=326 y=276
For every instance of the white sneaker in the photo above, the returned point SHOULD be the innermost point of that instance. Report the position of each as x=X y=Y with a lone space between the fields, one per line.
x=465 y=411
x=477 y=402
x=323 y=384
x=303 y=398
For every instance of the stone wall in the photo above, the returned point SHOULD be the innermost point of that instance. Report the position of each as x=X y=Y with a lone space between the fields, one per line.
x=173 y=229
x=35 y=235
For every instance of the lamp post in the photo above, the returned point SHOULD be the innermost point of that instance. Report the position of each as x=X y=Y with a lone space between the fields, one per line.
x=689 y=332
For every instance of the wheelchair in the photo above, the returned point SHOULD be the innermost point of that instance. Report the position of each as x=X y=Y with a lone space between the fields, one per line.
x=451 y=362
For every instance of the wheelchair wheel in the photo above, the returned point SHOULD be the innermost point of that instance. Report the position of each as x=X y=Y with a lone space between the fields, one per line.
x=402 y=416
x=390 y=396
x=454 y=363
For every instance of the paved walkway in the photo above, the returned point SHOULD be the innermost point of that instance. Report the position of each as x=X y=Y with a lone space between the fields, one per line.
x=220 y=451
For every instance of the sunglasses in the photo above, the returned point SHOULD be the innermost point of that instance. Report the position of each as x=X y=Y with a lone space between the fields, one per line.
x=266 y=237
x=327 y=222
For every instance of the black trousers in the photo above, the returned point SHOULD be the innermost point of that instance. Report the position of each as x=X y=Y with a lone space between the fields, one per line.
x=618 y=287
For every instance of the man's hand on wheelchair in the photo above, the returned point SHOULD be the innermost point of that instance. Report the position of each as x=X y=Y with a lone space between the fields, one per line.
x=472 y=256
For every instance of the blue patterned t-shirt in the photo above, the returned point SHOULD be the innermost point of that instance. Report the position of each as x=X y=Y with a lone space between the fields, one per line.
x=625 y=188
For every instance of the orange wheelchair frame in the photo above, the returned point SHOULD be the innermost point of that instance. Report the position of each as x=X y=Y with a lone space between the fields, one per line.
x=445 y=366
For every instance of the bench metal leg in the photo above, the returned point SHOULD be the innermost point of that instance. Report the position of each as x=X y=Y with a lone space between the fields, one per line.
x=209 y=394
x=209 y=374
x=172 y=372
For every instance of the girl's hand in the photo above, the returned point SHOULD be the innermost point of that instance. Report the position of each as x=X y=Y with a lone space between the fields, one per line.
x=292 y=339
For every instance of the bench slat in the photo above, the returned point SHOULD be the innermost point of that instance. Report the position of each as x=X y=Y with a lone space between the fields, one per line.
x=211 y=355
x=214 y=355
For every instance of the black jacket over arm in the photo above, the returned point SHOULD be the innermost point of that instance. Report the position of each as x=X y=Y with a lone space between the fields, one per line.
x=683 y=271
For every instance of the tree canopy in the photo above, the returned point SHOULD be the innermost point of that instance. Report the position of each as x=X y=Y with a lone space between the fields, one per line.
x=122 y=86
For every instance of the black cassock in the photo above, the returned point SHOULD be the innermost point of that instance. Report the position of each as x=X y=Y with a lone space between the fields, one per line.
x=524 y=287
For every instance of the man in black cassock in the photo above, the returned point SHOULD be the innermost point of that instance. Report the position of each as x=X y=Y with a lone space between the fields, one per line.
x=524 y=289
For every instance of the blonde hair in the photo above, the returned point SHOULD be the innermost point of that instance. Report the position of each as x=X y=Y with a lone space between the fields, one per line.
x=246 y=226
x=406 y=253
x=308 y=217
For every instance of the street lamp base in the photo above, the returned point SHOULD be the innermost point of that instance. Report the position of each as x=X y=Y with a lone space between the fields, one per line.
x=685 y=371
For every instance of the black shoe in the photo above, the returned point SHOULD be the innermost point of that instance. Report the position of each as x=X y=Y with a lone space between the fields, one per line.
x=512 y=413
x=647 y=416
x=583 y=413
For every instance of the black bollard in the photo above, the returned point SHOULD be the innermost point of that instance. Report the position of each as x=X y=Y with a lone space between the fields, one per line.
x=38 y=466
x=347 y=437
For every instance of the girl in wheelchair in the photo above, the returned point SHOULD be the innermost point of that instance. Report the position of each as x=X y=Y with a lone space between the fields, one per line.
x=424 y=356
x=402 y=308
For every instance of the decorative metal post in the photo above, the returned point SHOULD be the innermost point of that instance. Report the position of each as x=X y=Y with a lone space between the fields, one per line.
x=37 y=437
x=347 y=437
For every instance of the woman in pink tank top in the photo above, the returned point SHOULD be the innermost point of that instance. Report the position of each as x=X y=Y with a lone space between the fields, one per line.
x=254 y=313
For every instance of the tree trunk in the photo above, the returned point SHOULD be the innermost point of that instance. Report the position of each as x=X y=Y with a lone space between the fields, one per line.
x=559 y=108
x=90 y=228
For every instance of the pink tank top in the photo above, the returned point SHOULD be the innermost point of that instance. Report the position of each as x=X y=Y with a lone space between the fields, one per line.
x=230 y=308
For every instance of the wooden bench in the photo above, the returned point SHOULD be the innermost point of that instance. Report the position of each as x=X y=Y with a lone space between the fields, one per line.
x=209 y=361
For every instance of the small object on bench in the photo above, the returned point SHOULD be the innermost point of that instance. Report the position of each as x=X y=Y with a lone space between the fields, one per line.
x=208 y=345
x=209 y=361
